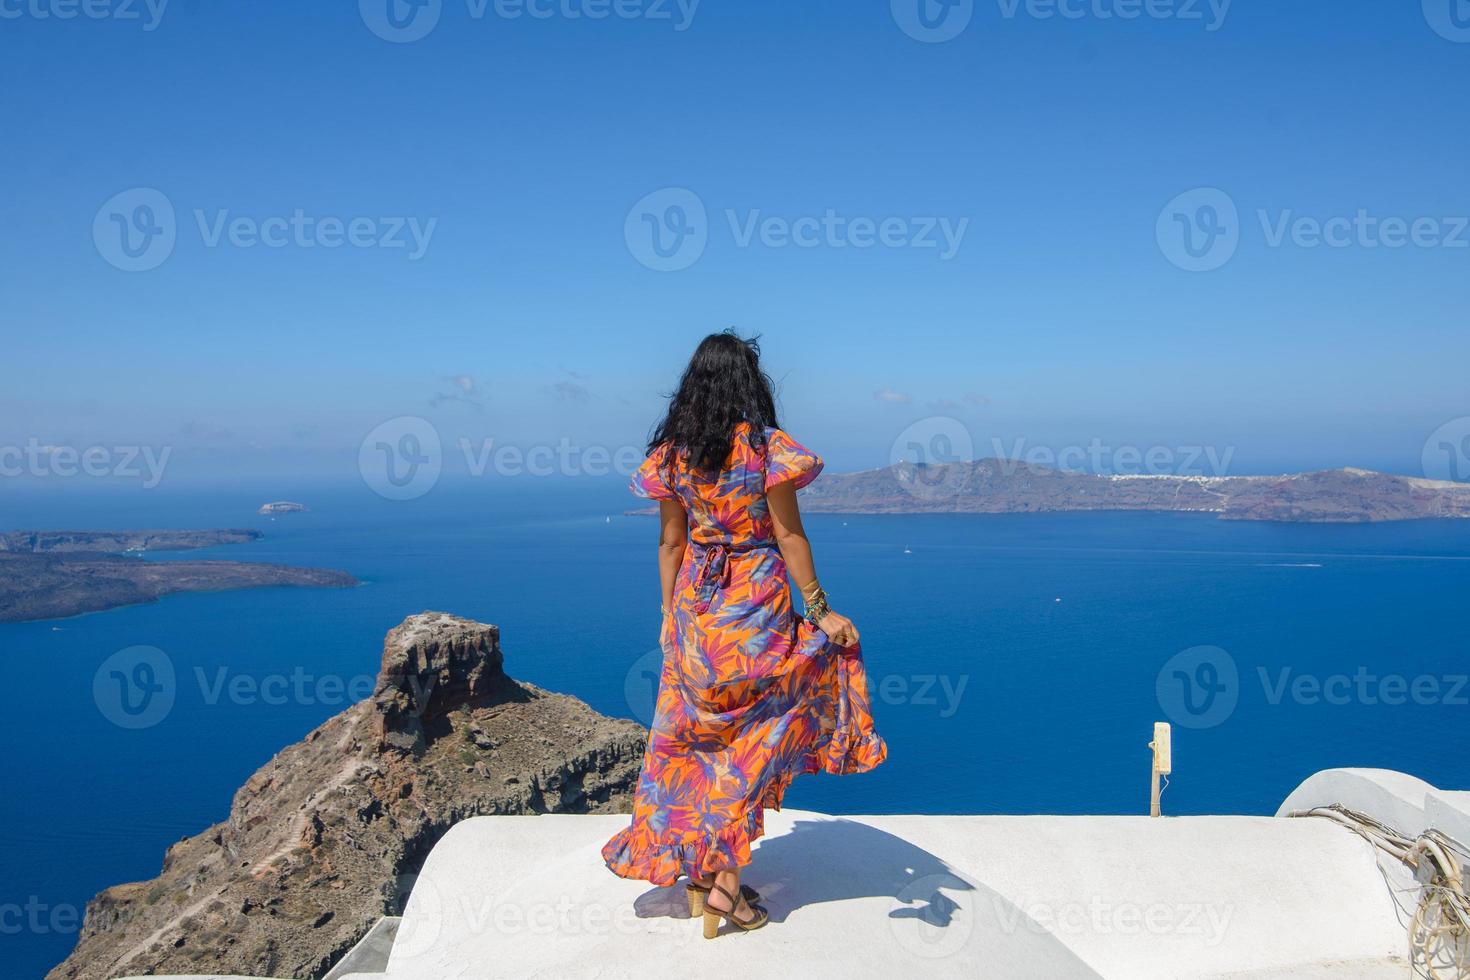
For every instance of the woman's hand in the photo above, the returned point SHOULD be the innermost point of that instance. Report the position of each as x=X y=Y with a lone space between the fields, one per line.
x=839 y=628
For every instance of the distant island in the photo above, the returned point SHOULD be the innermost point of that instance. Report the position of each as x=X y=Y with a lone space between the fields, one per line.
x=116 y=542
x=281 y=507
x=51 y=574
x=1004 y=486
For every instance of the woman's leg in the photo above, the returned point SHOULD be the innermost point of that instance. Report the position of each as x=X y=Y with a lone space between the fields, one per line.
x=717 y=900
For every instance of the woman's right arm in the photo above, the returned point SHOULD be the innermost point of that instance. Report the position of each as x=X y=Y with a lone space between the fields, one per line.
x=673 y=538
x=797 y=550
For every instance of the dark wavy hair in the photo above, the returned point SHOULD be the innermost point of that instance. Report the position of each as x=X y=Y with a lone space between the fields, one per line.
x=722 y=387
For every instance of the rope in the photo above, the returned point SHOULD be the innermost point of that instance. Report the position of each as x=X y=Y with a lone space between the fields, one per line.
x=1439 y=929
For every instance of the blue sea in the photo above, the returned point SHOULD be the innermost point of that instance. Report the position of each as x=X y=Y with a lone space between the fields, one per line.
x=1018 y=663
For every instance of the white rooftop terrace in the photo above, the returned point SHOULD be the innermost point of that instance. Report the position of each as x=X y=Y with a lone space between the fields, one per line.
x=939 y=896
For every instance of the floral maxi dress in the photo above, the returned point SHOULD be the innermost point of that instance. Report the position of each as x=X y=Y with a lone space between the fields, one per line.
x=750 y=695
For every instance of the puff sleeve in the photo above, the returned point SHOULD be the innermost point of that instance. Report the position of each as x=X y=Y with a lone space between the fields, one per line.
x=651 y=480
x=787 y=459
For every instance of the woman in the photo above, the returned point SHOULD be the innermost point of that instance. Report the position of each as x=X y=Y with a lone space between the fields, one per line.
x=751 y=695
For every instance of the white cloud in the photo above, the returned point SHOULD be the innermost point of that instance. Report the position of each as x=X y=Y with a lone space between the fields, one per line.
x=889 y=395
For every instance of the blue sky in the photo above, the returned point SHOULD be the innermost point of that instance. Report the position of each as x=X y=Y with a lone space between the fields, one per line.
x=519 y=147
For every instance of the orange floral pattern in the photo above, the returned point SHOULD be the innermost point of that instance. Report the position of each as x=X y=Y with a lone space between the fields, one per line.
x=750 y=695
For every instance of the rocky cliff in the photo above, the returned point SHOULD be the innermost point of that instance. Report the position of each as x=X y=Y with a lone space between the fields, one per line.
x=326 y=837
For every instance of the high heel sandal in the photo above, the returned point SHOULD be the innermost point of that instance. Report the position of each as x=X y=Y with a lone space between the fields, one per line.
x=758 y=916
x=698 y=893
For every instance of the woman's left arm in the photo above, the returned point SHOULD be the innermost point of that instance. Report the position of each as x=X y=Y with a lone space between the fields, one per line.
x=673 y=537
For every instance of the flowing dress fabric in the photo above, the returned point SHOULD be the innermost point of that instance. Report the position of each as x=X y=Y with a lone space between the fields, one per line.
x=750 y=696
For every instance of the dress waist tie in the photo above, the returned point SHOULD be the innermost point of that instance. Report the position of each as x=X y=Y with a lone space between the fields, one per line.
x=711 y=568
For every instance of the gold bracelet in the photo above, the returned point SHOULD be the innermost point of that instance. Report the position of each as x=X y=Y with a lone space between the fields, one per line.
x=816 y=606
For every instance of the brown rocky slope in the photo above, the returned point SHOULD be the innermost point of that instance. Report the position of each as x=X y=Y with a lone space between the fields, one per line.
x=320 y=842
